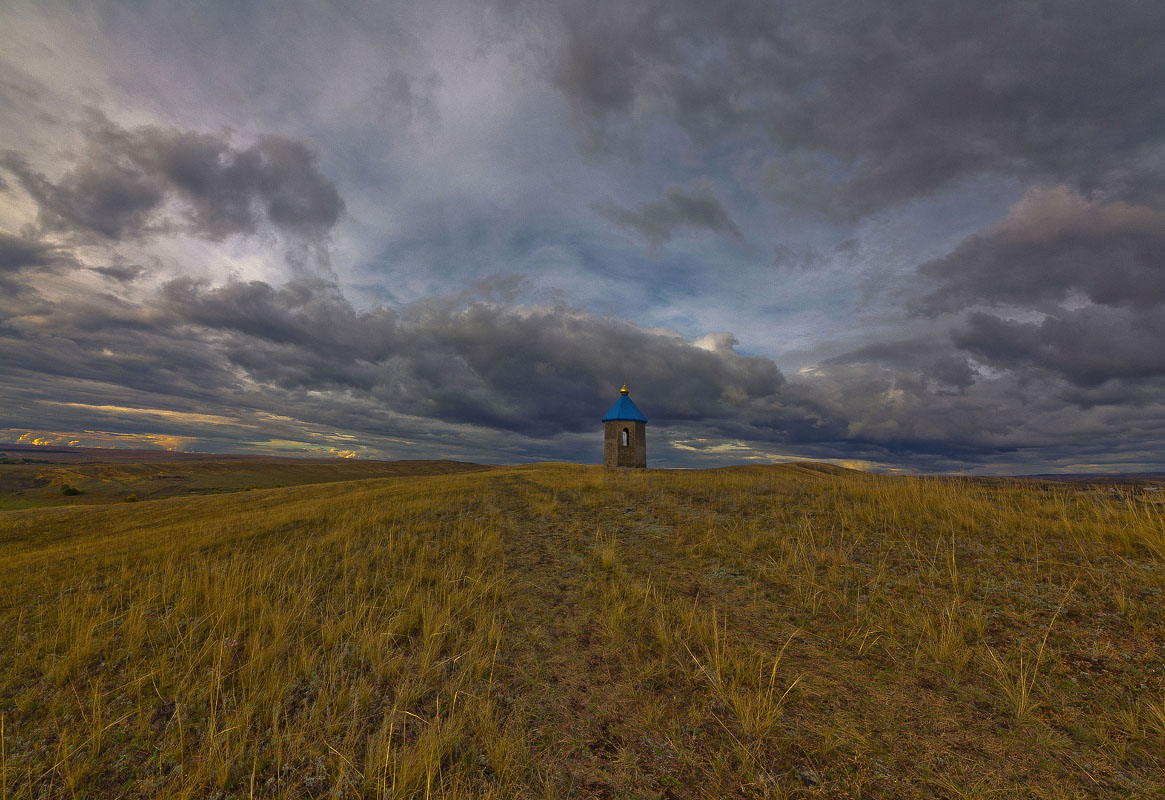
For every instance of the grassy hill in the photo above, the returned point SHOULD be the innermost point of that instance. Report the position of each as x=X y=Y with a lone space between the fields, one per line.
x=562 y=631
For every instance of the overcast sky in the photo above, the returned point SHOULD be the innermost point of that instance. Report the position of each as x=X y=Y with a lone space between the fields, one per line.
x=915 y=235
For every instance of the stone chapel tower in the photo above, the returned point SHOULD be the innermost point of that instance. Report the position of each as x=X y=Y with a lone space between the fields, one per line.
x=624 y=434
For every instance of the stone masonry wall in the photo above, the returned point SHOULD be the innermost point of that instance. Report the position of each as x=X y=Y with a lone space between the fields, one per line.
x=614 y=454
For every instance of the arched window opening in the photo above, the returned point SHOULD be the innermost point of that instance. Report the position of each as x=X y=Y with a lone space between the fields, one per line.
x=625 y=437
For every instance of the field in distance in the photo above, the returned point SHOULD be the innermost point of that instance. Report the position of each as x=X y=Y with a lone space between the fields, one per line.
x=562 y=631
x=31 y=477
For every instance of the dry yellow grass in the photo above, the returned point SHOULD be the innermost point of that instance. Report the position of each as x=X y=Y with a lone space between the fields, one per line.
x=42 y=483
x=561 y=631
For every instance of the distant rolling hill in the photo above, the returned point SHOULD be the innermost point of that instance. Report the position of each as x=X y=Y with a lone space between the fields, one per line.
x=1102 y=478
x=35 y=452
x=41 y=476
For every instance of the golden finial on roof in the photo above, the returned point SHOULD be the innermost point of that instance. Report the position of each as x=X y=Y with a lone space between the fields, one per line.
x=623 y=390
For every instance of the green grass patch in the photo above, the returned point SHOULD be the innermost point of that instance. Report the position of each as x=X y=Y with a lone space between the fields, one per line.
x=10 y=503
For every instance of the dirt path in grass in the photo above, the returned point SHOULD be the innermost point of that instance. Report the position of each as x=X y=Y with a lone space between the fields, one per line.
x=561 y=673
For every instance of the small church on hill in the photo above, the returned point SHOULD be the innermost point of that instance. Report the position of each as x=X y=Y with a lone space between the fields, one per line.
x=624 y=434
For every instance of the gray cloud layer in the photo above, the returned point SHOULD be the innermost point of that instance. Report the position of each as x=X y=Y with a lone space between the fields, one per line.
x=472 y=376
x=1054 y=246
x=19 y=252
x=870 y=104
x=125 y=177
x=535 y=371
x=301 y=350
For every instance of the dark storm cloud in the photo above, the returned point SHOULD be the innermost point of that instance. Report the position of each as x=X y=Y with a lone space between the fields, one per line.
x=1086 y=346
x=870 y=104
x=110 y=352
x=1055 y=245
x=540 y=371
x=123 y=273
x=1014 y=420
x=301 y=351
x=1079 y=286
x=25 y=256
x=693 y=207
x=930 y=358
x=111 y=199
x=125 y=177
x=514 y=381
x=19 y=252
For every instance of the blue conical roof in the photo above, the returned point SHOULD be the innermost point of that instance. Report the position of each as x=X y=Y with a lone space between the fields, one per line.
x=624 y=409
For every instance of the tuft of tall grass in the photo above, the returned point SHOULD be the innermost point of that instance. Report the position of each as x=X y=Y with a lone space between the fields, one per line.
x=1017 y=682
x=738 y=678
x=1153 y=713
x=944 y=641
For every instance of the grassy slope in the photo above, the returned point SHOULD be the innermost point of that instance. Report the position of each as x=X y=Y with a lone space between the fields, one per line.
x=33 y=485
x=562 y=631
